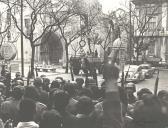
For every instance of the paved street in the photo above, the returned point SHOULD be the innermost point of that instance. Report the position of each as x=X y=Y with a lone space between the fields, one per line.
x=147 y=83
x=150 y=83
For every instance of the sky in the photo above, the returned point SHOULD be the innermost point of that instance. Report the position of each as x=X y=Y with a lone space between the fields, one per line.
x=108 y=5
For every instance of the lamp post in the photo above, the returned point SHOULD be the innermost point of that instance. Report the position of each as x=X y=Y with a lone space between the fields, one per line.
x=22 y=50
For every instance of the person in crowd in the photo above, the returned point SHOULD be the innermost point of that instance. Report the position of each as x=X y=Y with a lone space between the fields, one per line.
x=45 y=85
x=79 y=82
x=112 y=114
x=31 y=93
x=10 y=108
x=130 y=90
x=71 y=107
x=26 y=112
x=51 y=119
x=55 y=84
x=141 y=93
x=79 y=85
x=61 y=100
x=3 y=70
x=17 y=77
x=19 y=83
x=43 y=95
x=148 y=113
x=7 y=82
x=2 y=92
x=61 y=82
x=86 y=92
x=84 y=116
x=96 y=92
x=163 y=97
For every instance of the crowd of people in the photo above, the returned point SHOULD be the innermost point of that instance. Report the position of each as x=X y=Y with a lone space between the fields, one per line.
x=79 y=104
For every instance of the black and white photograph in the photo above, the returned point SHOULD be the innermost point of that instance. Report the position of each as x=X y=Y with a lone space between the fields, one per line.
x=83 y=63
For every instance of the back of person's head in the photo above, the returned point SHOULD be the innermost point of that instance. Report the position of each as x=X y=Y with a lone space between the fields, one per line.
x=150 y=99
x=18 y=92
x=86 y=92
x=18 y=74
x=46 y=81
x=19 y=83
x=85 y=105
x=110 y=71
x=79 y=81
x=51 y=97
x=27 y=109
x=61 y=100
x=130 y=87
x=31 y=92
x=142 y=92
x=60 y=80
x=163 y=95
x=51 y=119
x=55 y=84
x=43 y=76
x=38 y=82
x=70 y=88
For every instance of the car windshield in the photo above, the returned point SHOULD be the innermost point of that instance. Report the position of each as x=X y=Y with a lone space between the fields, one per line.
x=130 y=69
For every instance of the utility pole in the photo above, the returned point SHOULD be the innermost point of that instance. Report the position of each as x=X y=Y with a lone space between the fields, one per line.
x=22 y=50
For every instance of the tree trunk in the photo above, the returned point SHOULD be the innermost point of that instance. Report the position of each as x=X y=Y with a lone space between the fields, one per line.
x=90 y=50
x=105 y=57
x=137 y=57
x=67 y=58
x=32 y=62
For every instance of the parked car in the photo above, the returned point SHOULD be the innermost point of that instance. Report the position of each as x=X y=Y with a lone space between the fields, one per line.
x=134 y=73
x=148 y=70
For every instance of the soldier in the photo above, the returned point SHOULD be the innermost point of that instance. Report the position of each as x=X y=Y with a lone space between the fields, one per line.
x=17 y=77
x=130 y=90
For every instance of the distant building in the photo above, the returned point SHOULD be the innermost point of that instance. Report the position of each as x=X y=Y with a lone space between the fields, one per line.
x=153 y=15
x=51 y=49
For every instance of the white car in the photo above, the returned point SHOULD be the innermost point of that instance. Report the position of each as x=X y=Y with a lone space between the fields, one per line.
x=133 y=73
x=148 y=70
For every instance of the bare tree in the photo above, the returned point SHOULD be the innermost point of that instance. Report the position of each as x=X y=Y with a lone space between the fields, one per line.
x=140 y=26
x=75 y=47
x=40 y=20
x=4 y=26
x=69 y=32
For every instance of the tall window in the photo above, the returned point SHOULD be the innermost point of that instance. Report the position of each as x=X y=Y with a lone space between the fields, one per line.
x=152 y=23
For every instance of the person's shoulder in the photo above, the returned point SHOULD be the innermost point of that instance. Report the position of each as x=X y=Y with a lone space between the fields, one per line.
x=30 y=124
x=41 y=105
x=7 y=102
x=99 y=105
x=35 y=125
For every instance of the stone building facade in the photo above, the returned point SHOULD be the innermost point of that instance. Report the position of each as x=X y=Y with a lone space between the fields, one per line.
x=153 y=14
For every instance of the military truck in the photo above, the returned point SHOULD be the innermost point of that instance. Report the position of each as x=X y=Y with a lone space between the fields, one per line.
x=89 y=63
